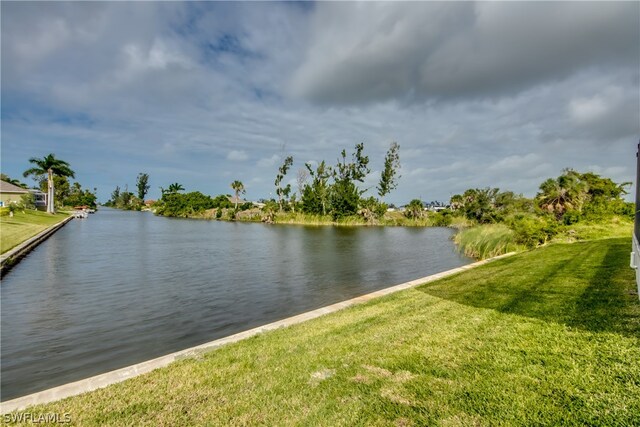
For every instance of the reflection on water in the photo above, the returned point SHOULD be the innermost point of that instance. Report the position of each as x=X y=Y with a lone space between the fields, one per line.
x=123 y=287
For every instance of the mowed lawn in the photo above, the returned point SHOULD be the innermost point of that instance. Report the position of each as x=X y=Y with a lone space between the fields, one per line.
x=546 y=337
x=25 y=225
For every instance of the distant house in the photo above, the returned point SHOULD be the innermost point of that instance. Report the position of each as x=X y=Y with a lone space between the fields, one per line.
x=149 y=202
x=11 y=194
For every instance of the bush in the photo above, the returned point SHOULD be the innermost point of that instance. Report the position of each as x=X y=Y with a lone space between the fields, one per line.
x=571 y=217
x=372 y=209
x=28 y=201
x=184 y=205
x=532 y=231
x=441 y=219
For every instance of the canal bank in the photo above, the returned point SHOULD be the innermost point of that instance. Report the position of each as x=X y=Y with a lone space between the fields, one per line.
x=14 y=255
x=119 y=375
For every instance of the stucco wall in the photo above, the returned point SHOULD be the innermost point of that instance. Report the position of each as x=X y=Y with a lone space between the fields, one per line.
x=7 y=198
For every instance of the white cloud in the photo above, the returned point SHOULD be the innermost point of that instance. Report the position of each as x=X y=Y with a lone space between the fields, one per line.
x=268 y=161
x=584 y=110
x=237 y=156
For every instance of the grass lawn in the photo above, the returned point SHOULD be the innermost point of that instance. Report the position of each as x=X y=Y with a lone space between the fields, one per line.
x=546 y=337
x=24 y=225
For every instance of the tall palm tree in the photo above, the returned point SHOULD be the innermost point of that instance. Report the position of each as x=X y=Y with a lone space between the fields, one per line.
x=238 y=187
x=49 y=166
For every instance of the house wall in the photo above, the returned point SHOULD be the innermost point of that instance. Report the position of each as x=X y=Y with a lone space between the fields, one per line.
x=7 y=198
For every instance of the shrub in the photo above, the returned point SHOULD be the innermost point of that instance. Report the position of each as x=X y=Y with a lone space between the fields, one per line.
x=28 y=201
x=532 y=231
x=441 y=219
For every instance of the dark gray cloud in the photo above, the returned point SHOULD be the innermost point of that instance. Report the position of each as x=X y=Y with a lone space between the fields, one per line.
x=366 y=53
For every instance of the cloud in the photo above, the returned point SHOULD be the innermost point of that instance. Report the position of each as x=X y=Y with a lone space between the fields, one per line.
x=516 y=163
x=206 y=93
x=268 y=161
x=414 y=51
x=237 y=156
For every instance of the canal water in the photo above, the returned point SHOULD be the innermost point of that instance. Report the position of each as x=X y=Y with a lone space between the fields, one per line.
x=122 y=287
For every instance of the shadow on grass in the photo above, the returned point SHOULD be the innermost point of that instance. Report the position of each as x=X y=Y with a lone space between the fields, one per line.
x=586 y=285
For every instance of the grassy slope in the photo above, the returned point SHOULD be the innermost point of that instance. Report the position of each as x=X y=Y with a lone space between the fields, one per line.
x=24 y=225
x=547 y=337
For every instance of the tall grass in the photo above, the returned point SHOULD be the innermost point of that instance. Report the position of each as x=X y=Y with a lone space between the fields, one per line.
x=606 y=228
x=486 y=241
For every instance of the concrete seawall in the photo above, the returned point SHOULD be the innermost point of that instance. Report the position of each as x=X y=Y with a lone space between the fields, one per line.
x=13 y=256
x=122 y=374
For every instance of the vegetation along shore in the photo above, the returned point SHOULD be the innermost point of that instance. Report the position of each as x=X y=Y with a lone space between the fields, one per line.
x=572 y=206
x=491 y=221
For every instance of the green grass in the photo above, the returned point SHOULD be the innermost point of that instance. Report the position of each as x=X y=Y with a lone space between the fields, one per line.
x=486 y=241
x=23 y=225
x=612 y=227
x=546 y=337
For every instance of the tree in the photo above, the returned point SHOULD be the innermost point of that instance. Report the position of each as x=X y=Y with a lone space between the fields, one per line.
x=49 y=166
x=565 y=193
x=126 y=196
x=282 y=171
x=388 y=178
x=315 y=196
x=238 y=187
x=115 y=196
x=345 y=195
x=80 y=197
x=479 y=204
x=301 y=178
x=175 y=188
x=142 y=183
x=456 y=202
x=414 y=209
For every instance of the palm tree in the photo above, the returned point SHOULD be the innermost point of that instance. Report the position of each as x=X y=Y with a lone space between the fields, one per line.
x=238 y=187
x=49 y=166
x=565 y=193
x=456 y=202
x=414 y=209
x=175 y=188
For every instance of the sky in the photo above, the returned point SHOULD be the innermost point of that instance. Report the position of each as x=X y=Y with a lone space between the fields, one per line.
x=487 y=94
